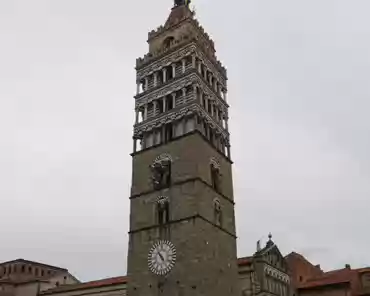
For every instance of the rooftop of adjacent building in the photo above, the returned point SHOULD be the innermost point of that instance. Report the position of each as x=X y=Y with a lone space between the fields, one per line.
x=28 y=262
x=311 y=277
x=114 y=281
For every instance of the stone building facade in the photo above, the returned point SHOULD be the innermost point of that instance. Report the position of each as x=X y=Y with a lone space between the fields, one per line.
x=182 y=237
x=265 y=273
x=27 y=278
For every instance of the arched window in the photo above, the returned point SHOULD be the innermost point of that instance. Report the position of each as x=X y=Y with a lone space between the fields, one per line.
x=161 y=171
x=215 y=174
x=163 y=210
x=168 y=42
x=217 y=212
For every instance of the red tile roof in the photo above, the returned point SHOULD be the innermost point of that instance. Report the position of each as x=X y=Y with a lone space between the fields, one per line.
x=328 y=278
x=245 y=261
x=340 y=276
x=88 y=285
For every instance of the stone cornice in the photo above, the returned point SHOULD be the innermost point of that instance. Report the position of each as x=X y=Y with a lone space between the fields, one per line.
x=182 y=51
x=190 y=78
x=177 y=114
x=189 y=218
x=193 y=179
x=226 y=158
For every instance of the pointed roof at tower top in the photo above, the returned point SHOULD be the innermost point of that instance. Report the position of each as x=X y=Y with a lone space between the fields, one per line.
x=179 y=13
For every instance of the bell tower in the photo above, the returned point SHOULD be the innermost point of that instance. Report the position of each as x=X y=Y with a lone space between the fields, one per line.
x=182 y=238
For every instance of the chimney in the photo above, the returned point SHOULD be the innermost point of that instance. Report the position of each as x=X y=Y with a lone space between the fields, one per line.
x=318 y=266
x=348 y=266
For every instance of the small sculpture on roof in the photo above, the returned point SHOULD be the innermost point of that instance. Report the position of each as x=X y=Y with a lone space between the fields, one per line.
x=182 y=2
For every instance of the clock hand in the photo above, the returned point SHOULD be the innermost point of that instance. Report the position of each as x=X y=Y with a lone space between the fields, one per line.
x=160 y=255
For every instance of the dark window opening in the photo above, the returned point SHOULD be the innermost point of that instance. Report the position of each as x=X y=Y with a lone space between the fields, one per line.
x=159 y=77
x=169 y=73
x=209 y=106
x=36 y=271
x=42 y=273
x=29 y=269
x=215 y=177
x=217 y=213
x=168 y=133
x=23 y=268
x=168 y=42
x=169 y=102
x=160 y=106
x=211 y=137
x=205 y=129
x=163 y=210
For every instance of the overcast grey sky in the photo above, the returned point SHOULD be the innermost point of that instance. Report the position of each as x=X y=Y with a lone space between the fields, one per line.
x=299 y=94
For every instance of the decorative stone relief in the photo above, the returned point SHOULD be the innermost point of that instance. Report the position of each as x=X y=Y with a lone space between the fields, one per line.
x=161 y=171
x=177 y=85
x=157 y=122
x=156 y=66
x=178 y=55
x=277 y=274
x=165 y=90
x=216 y=164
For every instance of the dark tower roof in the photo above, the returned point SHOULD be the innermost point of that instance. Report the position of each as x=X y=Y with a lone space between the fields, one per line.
x=177 y=15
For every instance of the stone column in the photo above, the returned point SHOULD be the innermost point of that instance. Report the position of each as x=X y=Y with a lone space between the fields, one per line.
x=227 y=124
x=205 y=73
x=134 y=144
x=225 y=95
x=145 y=112
x=228 y=151
x=184 y=95
x=146 y=83
x=155 y=74
x=137 y=115
x=212 y=107
x=154 y=107
x=174 y=100
x=206 y=103
x=200 y=67
x=183 y=61
x=195 y=91
x=164 y=70
x=138 y=87
x=216 y=111
x=173 y=70
x=210 y=79
x=201 y=97
x=194 y=60
x=164 y=104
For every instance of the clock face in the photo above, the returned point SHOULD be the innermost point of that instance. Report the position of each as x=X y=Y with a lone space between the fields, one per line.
x=162 y=257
